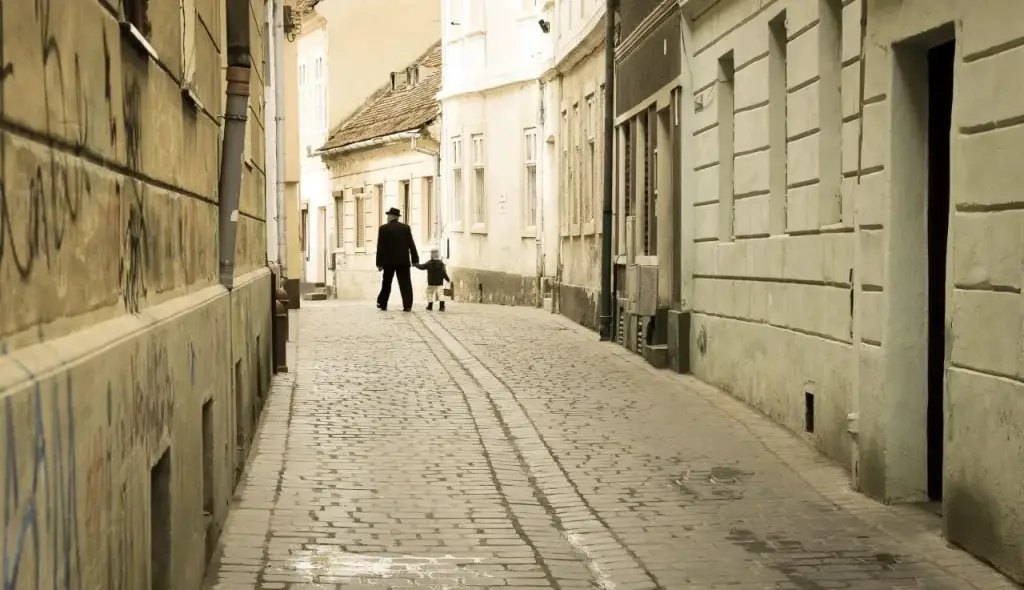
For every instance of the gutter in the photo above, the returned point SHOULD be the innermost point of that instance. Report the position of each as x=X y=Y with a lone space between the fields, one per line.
x=235 y=117
x=605 y=324
x=279 y=111
x=369 y=143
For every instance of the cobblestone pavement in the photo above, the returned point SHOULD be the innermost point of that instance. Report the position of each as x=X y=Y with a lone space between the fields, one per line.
x=496 y=446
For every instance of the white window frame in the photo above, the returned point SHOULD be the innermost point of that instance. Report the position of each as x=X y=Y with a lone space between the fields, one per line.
x=590 y=165
x=478 y=190
x=458 y=199
x=532 y=206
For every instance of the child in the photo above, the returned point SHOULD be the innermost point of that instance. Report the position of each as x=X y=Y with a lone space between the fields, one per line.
x=436 y=276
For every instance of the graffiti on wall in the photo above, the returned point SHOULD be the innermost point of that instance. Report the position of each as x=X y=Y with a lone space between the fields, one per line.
x=50 y=206
x=40 y=511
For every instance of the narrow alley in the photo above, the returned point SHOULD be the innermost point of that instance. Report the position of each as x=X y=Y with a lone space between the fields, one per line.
x=500 y=446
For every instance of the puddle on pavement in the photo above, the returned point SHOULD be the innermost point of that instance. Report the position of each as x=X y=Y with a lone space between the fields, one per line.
x=330 y=564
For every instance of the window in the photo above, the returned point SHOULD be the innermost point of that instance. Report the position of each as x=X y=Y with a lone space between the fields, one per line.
x=457 y=197
x=429 y=209
x=574 y=184
x=590 y=164
x=339 y=219
x=530 y=160
x=136 y=14
x=379 y=189
x=321 y=95
x=304 y=230
x=563 y=201
x=479 y=186
x=360 y=220
x=406 y=202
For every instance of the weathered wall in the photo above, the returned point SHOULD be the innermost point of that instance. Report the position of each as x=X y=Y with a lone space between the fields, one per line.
x=502 y=244
x=581 y=202
x=830 y=297
x=356 y=276
x=113 y=330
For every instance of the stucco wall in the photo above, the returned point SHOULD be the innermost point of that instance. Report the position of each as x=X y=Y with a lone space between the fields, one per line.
x=831 y=297
x=356 y=276
x=502 y=244
x=580 y=231
x=113 y=329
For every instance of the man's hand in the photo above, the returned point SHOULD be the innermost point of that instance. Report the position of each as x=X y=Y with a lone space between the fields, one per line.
x=380 y=268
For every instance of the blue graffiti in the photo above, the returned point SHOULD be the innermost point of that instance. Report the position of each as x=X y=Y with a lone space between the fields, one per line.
x=47 y=511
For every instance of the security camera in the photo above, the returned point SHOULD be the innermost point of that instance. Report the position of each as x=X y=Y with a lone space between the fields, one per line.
x=544 y=25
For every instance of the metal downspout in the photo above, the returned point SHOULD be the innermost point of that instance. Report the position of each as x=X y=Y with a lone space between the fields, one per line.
x=235 y=116
x=609 y=162
x=279 y=111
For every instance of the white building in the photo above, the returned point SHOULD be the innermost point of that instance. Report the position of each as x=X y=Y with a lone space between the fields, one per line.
x=386 y=155
x=345 y=50
x=495 y=154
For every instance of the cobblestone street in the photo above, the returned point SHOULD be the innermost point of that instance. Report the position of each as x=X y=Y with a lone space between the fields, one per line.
x=498 y=446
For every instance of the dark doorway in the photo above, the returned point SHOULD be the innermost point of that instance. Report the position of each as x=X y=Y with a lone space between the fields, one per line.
x=160 y=523
x=940 y=111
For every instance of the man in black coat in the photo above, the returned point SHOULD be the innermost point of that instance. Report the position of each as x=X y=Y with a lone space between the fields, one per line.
x=396 y=253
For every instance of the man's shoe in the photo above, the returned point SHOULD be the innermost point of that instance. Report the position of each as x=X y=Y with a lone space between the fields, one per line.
x=382 y=307
x=430 y=307
x=440 y=307
x=406 y=309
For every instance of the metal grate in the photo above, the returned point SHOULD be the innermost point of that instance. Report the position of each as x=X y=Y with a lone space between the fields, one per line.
x=639 y=334
x=620 y=328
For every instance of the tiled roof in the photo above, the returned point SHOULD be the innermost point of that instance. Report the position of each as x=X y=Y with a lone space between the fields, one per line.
x=393 y=111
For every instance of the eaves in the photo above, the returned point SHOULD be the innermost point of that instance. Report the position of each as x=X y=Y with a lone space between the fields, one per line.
x=584 y=43
x=694 y=9
x=666 y=10
x=373 y=142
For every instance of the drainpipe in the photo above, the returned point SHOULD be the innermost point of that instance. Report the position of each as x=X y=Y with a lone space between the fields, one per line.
x=282 y=209
x=235 y=116
x=609 y=162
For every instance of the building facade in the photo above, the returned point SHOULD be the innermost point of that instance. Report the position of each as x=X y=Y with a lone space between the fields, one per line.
x=132 y=375
x=846 y=255
x=494 y=151
x=574 y=101
x=341 y=61
x=386 y=155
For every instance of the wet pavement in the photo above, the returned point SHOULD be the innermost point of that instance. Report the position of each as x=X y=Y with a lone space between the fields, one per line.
x=505 y=447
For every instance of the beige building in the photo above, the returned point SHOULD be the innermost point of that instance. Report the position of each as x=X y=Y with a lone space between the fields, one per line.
x=386 y=155
x=850 y=241
x=131 y=378
x=344 y=52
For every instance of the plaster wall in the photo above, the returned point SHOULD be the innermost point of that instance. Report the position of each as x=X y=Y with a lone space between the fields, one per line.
x=580 y=203
x=830 y=298
x=113 y=330
x=356 y=276
x=501 y=244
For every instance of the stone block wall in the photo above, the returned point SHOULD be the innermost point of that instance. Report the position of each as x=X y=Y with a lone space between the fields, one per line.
x=809 y=172
x=130 y=379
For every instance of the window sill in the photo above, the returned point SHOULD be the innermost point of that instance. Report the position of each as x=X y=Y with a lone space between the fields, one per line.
x=190 y=95
x=456 y=227
x=478 y=228
x=564 y=231
x=360 y=250
x=529 y=232
x=574 y=229
x=589 y=228
x=139 y=40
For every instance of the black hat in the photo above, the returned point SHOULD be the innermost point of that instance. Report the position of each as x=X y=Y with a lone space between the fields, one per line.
x=394 y=211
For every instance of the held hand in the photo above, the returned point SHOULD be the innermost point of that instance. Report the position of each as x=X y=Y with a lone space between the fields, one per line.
x=380 y=268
